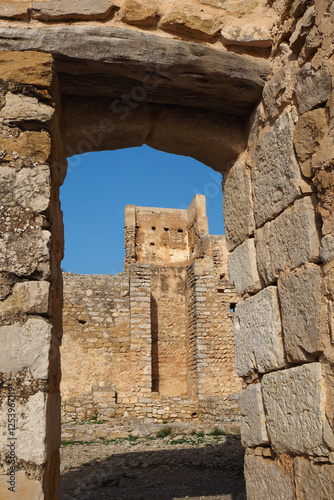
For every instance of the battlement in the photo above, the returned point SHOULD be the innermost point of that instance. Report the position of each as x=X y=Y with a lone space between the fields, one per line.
x=166 y=236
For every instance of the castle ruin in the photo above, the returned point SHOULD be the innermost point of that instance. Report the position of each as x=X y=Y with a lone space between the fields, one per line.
x=246 y=87
x=154 y=343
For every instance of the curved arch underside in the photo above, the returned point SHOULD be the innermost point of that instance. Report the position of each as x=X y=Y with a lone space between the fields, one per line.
x=122 y=88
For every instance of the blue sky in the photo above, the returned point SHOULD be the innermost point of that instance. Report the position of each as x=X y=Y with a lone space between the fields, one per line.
x=99 y=185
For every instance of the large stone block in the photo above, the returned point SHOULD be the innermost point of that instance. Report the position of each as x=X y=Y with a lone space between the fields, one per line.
x=30 y=68
x=258 y=334
x=313 y=87
x=237 y=205
x=193 y=21
x=71 y=9
x=17 y=10
x=288 y=241
x=30 y=187
x=279 y=90
x=313 y=481
x=30 y=428
x=275 y=171
x=242 y=268
x=294 y=401
x=34 y=145
x=23 y=253
x=139 y=13
x=250 y=36
x=20 y=108
x=27 y=297
x=265 y=480
x=253 y=422
x=302 y=29
x=26 y=346
x=304 y=313
x=25 y=488
x=307 y=137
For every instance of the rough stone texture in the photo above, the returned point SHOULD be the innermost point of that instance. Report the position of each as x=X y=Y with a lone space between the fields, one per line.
x=258 y=334
x=307 y=137
x=16 y=10
x=31 y=68
x=27 y=297
x=312 y=87
x=251 y=36
x=242 y=268
x=304 y=314
x=191 y=19
x=138 y=13
x=30 y=187
x=34 y=145
x=31 y=252
x=266 y=480
x=26 y=346
x=313 y=480
x=288 y=241
x=71 y=9
x=327 y=248
x=30 y=429
x=20 y=108
x=238 y=205
x=278 y=92
x=253 y=423
x=294 y=401
x=275 y=172
x=302 y=29
x=233 y=82
x=25 y=488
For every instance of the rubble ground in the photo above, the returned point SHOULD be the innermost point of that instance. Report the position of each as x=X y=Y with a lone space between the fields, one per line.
x=193 y=466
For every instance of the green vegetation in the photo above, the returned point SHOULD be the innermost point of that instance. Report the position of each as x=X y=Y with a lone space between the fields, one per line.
x=217 y=432
x=164 y=432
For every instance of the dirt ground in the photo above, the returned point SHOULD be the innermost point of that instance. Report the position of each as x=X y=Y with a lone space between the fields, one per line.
x=193 y=467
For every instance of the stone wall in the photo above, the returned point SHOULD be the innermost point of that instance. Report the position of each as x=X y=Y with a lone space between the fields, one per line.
x=109 y=370
x=278 y=229
x=185 y=89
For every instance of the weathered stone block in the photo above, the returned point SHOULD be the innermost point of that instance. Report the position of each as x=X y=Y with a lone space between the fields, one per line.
x=327 y=248
x=35 y=145
x=26 y=252
x=31 y=68
x=20 y=108
x=289 y=241
x=242 y=268
x=313 y=87
x=304 y=314
x=25 y=488
x=278 y=92
x=275 y=171
x=302 y=29
x=294 y=401
x=17 y=10
x=265 y=480
x=30 y=429
x=26 y=346
x=27 y=297
x=71 y=9
x=238 y=205
x=313 y=481
x=30 y=187
x=253 y=423
x=139 y=13
x=258 y=334
x=191 y=22
x=307 y=137
x=251 y=36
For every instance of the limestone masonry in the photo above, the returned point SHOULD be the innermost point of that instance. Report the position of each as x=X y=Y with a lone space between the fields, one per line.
x=154 y=343
x=245 y=87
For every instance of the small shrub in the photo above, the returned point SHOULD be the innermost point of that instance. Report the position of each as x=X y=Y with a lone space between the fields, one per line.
x=164 y=432
x=200 y=434
x=217 y=432
x=193 y=433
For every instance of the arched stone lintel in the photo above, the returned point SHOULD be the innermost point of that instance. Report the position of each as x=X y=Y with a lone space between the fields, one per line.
x=96 y=124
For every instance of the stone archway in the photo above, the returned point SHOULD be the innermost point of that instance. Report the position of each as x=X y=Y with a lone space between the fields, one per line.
x=200 y=107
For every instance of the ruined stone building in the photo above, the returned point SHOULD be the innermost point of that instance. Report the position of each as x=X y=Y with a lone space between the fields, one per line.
x=154 y=343
x=245 y=87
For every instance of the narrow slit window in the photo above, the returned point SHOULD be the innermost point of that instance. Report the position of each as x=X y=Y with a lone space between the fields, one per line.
x=232 y=307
